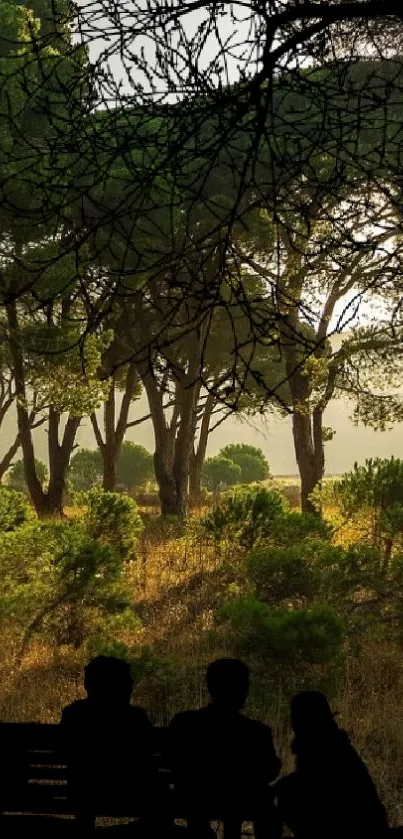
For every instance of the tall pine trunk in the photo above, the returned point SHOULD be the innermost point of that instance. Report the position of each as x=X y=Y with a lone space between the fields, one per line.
x=307 y=427
x=309 y=456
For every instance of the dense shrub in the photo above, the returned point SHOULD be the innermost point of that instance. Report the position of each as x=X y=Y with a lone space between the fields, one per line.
x=59 y=581
x=313 y=635
x=14 y=509
x=377 y=488
x=135 y=466
x=246 y=516
x=114 y=520
x=16 y=475
x=279 y=573
x=293 y=527
x=354 y=581
x=253 y=464
x=85 y=470
x=220 y=470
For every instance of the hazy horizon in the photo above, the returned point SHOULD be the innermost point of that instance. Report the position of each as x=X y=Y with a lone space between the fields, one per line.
x=272 y=434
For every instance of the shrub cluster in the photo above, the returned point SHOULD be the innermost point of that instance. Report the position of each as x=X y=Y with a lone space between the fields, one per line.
x=67 y=581
x=300 y=597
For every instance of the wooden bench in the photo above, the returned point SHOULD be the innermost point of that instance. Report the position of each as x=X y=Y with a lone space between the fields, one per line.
x=33 y=773
x=34 y=781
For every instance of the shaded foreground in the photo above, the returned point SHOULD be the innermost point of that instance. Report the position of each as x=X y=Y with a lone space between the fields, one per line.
x=178 y=583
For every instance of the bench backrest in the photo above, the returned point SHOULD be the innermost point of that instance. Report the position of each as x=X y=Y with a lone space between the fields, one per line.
x=33 y=771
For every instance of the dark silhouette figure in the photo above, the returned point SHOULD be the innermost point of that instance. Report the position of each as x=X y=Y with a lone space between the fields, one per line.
x=223 y=761
x=107 y=742
x=330 y=793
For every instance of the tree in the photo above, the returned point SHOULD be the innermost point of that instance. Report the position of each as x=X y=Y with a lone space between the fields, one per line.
x=62 y=389
x=85 y=469
x=16 y=475
x=186 y=278
x=135 y=465
x=193 y=371
x=254 y=466
x=7 y=402
x=221 y=470
x=330 y=261
x=122 y=380
x=44 y=96
x=207 y=163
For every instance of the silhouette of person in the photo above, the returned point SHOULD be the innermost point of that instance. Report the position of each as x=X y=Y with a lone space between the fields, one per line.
x=107 y=742
x=330 y=793
x=223 y=761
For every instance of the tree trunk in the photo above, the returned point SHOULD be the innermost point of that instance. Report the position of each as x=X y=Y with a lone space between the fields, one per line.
x=59 y=458
x=198 y=455
x=35 y=490
x=110 y=457
x=7 y=459
x=108 y=449
x=309 y=460
x=195 y=476
x=114 y=431
x=166 y=485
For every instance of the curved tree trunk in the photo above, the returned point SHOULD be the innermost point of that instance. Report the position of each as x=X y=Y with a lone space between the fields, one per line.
x=198 y=455
x=47 y=503
x=110 y=444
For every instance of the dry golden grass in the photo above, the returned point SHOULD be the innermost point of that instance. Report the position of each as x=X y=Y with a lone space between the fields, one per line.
x=178 y=581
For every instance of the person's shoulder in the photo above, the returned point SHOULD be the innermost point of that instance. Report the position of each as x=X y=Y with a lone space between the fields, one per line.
x=255 y=728
x=347 y=750
x=74 y=713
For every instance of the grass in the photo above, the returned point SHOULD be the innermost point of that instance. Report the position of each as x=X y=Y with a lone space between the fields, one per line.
x=178 y=581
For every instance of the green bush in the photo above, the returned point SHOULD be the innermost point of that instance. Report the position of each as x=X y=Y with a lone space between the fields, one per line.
x=59 y=582
x=14 y=509
x=16 y=475
x=312 y=635
x=253 y=464
x=354 y=581
x=135 y=466
x=114 y=520
x=293 y=527
x=220 y=470
x=376 y=488
x=279 y=573
x=86 y=469
x=246 y=516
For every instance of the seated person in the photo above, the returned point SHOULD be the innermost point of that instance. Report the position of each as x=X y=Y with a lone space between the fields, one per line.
x=223 y=761
x=331 y=792
x=107 y=741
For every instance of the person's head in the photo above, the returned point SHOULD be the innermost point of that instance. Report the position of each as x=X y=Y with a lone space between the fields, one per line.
x=108 y=680
x=311 y=714
x=228 y=683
